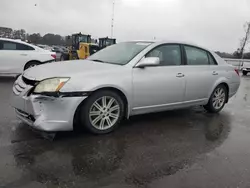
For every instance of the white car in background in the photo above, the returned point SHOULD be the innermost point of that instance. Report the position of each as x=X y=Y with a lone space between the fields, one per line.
x=17 y=56
x=245 y=68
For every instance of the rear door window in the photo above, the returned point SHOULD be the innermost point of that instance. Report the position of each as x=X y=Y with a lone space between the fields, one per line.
x=9 y=45
x=211 y=60
x=196 y=56
x=24 y=47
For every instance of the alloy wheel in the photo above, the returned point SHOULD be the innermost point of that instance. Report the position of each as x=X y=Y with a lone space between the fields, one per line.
x=104 y=112
x=219 y=97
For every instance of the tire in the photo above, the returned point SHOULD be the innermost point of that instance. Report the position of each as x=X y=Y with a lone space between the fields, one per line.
x=244 y=73
x=102 y=121
x=214 y=107
x=74 y=55
x=31 y=64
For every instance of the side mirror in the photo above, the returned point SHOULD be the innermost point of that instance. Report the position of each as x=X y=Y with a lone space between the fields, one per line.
x=68 y=37
x=148 y=62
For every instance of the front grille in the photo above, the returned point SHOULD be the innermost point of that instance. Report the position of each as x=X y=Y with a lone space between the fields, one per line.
x=29 y=82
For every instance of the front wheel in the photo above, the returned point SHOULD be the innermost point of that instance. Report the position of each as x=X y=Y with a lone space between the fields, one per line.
x=102 y=112
x=217 y=100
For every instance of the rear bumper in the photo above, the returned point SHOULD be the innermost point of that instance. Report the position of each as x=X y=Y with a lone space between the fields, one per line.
x=46 y=113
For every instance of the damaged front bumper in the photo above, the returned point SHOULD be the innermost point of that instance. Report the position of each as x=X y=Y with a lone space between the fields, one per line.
x=46 y=113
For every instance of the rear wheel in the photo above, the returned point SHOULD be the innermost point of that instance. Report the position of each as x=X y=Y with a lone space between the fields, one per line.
x=244 y=73
x=31 y=64
x=217 y=99
x=102 y=112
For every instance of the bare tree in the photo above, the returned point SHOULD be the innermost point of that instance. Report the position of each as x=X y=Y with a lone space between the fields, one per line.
x=245 y=39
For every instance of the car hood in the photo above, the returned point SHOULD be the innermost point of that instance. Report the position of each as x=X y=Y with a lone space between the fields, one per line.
x=68 y=69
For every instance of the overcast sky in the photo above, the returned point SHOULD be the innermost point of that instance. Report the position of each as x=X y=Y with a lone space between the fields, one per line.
x=215 y=24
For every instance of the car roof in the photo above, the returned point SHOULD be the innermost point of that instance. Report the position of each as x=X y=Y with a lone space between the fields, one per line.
x=170 y=42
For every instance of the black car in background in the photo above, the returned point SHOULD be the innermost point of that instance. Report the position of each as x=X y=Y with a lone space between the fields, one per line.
x=62 y=53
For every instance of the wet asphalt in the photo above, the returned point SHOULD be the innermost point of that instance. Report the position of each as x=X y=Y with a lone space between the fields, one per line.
x=183 y=148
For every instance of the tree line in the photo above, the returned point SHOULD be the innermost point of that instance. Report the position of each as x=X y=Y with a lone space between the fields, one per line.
x=56 y=39
x=35 y=38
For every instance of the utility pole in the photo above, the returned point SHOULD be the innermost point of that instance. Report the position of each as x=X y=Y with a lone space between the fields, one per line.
x=245 y=39
x=112 y=19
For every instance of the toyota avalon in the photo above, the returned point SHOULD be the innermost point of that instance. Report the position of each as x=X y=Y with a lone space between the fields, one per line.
x=122 y=80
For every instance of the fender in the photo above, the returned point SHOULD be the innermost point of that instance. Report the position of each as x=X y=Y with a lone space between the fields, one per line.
x=128 y=96
x=218 y=82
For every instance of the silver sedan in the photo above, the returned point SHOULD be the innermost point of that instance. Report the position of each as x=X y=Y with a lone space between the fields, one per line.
x=122 y=80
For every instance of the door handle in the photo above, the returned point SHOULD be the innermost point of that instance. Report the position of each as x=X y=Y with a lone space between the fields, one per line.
x=215 y=73
x=24 y=54
x=180 y=75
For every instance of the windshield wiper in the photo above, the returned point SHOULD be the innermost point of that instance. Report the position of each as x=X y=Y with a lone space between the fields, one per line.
x=97 y=60
x=100 y=61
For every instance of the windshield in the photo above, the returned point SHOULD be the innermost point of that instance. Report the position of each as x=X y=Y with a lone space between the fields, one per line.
x=119 y=54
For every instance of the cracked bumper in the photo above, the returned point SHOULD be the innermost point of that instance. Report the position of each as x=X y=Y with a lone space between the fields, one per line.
x=46 y=113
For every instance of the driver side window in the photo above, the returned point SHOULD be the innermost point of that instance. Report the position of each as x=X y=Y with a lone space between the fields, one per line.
x=169 y=55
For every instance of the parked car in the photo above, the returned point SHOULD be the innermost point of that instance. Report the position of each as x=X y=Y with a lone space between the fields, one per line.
x=122 y=80
x=63 y=48
x=45 y=47
x=61 y=53
x=42 y=46
x=246 y=68
x=17 y=56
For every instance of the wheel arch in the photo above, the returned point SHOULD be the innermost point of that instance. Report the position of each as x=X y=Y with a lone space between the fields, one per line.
x=30 y=62
x=110 y=88
x=227 y=87
x=221 y=83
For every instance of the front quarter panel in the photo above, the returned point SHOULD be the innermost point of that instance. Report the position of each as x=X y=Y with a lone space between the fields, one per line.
x=120 y=79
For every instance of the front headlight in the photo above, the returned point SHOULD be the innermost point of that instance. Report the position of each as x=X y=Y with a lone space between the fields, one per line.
x=50 y=85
